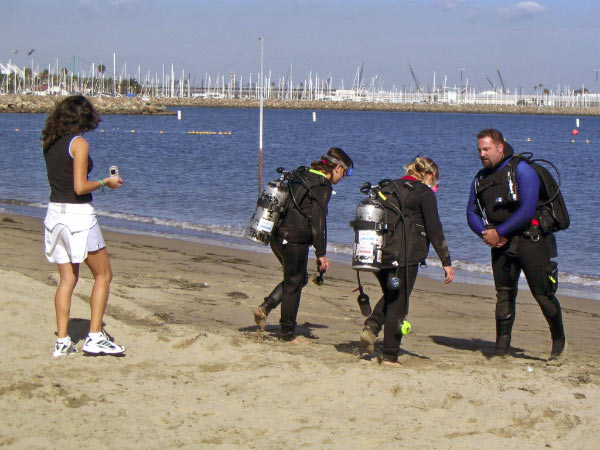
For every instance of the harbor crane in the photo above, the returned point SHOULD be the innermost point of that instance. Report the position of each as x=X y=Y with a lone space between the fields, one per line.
x=412 y=72
x=358 y=78
x=491 y=84
x=504 y=90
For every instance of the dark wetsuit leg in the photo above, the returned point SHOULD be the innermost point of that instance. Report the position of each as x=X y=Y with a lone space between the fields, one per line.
x=506 y=272
x=295 y=277
x=535 y=260
x=377 y=318
x=274 y=298
x=391 y=310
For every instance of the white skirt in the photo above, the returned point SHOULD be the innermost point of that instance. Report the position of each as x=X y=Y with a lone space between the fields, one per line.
x=71 y=231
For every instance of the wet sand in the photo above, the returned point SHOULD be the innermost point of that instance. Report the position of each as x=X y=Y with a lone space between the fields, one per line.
x=198 y=374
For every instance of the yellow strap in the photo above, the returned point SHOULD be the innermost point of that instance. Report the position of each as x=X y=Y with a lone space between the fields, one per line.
x=317 y=172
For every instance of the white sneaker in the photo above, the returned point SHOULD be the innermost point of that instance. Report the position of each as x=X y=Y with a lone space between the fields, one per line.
x=102 y=346
x=64 y=349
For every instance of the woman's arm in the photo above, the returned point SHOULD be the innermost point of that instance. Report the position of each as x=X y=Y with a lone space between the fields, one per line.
x=80 y=150
x=435 y=233
x=318 y=215
x=433 y=227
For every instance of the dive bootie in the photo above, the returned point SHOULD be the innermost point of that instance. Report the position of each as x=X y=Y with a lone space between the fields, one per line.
x=559 y=342
x=503 y=335
x=502 y=348
x=558 y=353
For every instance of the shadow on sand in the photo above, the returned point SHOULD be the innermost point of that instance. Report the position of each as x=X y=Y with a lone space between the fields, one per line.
x=273 y=331
x=486 y=348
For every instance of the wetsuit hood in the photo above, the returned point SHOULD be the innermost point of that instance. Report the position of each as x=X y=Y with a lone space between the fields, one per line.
x=508 y=153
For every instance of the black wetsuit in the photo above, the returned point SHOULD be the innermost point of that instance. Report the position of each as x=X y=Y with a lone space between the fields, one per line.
x=303 y=225
x=531 y=254
x=419 y=206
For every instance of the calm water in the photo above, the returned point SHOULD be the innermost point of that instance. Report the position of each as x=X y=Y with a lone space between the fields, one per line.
x=202 y=186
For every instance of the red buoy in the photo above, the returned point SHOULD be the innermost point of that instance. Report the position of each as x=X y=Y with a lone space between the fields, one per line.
x=574 y=132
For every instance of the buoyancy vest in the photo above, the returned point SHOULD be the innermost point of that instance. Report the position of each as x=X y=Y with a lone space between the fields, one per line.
x=551 y=211
x=492 y=190
x=295 y=227
x=400 y=193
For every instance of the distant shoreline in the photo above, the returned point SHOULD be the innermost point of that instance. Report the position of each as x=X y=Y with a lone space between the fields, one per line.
x=158 y=106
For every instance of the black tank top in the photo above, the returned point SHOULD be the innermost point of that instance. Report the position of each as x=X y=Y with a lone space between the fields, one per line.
x=59 y=165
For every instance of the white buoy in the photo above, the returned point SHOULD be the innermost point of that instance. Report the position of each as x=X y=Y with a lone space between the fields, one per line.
x=178 y=114
x=314 y=116
x=577 y=122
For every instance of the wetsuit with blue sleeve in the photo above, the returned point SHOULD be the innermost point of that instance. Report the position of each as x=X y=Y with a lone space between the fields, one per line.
x=528 y=192
x=524 y=251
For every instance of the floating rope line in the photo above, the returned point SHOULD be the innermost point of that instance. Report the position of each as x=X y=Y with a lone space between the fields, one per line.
x=229 y=133
x=572 y=140
x=130 y=131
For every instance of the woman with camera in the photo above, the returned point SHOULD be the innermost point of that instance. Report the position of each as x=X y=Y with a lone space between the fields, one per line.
x=304 y=224
x=72 y=233
x=411 y=208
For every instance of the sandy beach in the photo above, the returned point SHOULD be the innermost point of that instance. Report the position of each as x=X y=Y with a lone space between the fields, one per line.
x=198 y=374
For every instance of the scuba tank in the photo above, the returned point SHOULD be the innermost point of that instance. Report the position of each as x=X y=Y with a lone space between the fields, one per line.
x=369 y=227
x=269 y=208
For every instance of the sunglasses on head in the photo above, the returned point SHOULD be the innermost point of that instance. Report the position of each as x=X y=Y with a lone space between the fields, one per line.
x=347 y=170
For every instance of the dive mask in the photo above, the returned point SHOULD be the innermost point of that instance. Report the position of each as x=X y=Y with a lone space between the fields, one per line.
x=343 y=165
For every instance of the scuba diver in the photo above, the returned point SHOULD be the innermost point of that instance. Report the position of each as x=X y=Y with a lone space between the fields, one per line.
x=303 y=224
x=417 y=225
x=511 y=228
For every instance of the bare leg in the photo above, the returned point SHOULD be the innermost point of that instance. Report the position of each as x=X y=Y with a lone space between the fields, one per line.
x=69 y=274
x=99 y=264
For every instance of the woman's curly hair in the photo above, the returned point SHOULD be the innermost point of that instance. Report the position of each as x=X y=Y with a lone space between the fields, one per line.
x=421 y=166
x=75 y=114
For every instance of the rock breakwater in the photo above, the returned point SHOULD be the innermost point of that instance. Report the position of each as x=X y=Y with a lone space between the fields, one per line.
x=104 y=105
x=124 y=105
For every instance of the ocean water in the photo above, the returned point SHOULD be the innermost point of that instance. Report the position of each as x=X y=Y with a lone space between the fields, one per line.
x=203 y=186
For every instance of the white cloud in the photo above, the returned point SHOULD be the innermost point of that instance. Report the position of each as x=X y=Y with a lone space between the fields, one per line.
x=125 y=4
x=89 y=5
x=522 y=10
x=108 y=6
x=451 y=4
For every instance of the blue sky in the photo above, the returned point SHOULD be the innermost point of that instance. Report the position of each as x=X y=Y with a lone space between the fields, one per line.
x=549 y=42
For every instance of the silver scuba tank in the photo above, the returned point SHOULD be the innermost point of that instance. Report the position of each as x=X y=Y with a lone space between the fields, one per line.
x=269 y=207
x=369 y=228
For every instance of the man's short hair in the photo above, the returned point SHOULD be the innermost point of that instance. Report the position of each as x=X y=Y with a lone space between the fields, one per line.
x=491 y=133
